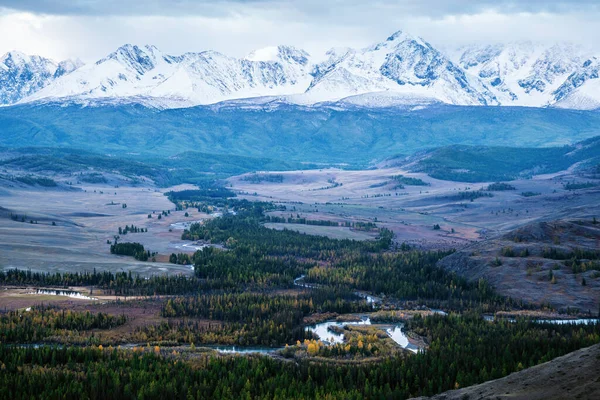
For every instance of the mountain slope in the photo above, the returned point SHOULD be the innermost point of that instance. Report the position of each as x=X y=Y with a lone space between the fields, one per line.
x=210 y=77
x=402 y=64
x=133 y=72
x=572 y=376
x=187 y=167
x=581 y=90
x=534 y=263
x=328 y=134
x=22 y=75
x=400 y=71
x=122 y=73
x=66 y=67
x=522 y=73
x=485 y=164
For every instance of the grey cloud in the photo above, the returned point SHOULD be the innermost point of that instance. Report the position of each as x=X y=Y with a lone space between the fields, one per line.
x=124 y=7
x=90 y=29
x=427 y=8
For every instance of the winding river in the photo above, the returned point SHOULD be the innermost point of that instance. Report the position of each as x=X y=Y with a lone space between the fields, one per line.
x=327 y=336
x=396 y=333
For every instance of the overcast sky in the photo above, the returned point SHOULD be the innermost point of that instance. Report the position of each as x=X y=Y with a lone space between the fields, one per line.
x=90 y=29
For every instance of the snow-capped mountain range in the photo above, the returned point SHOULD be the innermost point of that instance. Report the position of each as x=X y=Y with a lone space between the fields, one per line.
x=22 y=75
x=402 y=69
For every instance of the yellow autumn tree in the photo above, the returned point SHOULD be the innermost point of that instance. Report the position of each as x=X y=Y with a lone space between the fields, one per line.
x=313 y=348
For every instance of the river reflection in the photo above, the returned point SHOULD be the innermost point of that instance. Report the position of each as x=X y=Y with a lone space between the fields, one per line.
x=326 y=335
x=397 y=334
x=330 y=337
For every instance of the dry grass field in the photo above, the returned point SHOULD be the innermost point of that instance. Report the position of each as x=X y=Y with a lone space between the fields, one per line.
x=73 y=224
x=71 y=228
x=412 y=211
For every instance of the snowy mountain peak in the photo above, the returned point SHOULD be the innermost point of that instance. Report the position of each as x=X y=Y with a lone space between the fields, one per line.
x=17 y=59
x=400 y=37
x=292 y=54
x=396 y=35
x=67 y=66
x=145 y=74
x=22 y=75
x=521 y=73
x=400 y=70
x=279 y=53
x=269 y=53
x=13 y=58
x=397 y=40
x=582 y=88
x=142 y=59
x=402 y=64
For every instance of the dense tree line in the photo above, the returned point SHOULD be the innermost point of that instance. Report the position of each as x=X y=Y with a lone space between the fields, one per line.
x=576 y=254
x=242 y=266
x=209 y=204
x=470 y=195
x=578 y=266
x=463 y=351
x=250 y=318
x=266 y=257
x=579 y=185
x=40 y=323
x=92 y=177
x=36 y=180
x=408 y=181
x=192 y=331
x=119 y=283
x=301 y=221
x=200 y=195
x=135 y=250
x=362 y=226
x=245 y=231
x=180 y=259
x=245 y=307
x=494 y=349
x=410 y=275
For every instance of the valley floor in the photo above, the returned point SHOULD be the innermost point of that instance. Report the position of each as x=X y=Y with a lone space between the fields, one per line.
x=411 y=211
x=88 y=215
x=85 y=218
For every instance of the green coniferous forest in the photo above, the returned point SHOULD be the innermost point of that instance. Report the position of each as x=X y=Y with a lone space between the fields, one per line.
x=263 y=289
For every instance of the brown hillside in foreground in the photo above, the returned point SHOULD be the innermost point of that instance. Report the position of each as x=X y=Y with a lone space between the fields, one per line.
x=572 y=376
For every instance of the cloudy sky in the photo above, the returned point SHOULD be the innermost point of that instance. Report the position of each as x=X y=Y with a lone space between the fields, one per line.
x=90 y=29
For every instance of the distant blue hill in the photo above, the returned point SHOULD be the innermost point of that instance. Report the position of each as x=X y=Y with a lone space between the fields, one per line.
x=493 y=163
x=328 y=134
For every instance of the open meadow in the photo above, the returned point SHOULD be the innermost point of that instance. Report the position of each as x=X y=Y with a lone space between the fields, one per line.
x=465 y=212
